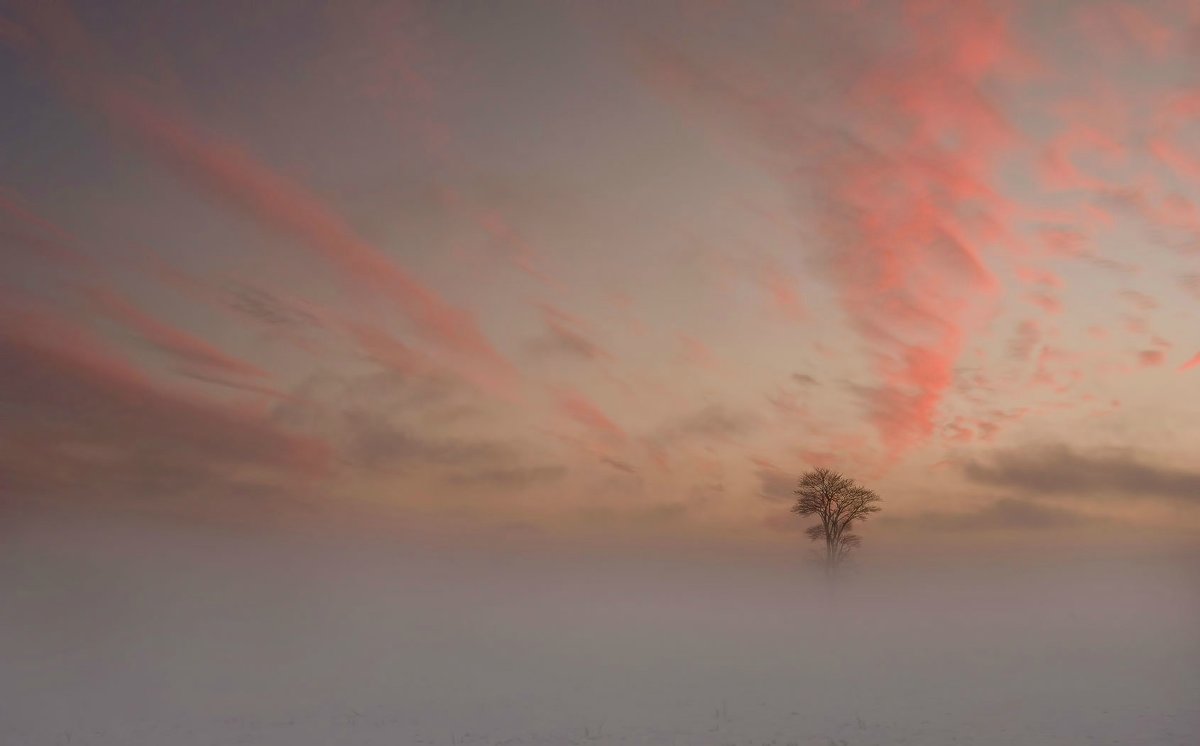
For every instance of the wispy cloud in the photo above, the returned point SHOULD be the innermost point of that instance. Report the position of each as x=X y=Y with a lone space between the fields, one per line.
x=236 y=178
x=900 y=187
x=74 y=404
x=181 y=346
x=568 y=335
x=584 y=411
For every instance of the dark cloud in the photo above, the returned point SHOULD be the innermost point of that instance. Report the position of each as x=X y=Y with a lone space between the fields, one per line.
x=509 y=477
x=61 y=388
x=786 y=403
x=186 y=350
x=1191 y=284
x=618 y=465
x=1005 y=513
x=435 y=397
x=805 y=379
x=706 y=492
x=1025 y=340
x=268 y=308
x=775 y=485
x=565 y=342
x=1057 y=469
x=713 y=421
x=328 y=402
x=82 y=428
x=375 y=443
x=225 y=382
x=566 y=336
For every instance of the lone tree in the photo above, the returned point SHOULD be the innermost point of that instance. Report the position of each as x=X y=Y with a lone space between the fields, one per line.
x=839 y=502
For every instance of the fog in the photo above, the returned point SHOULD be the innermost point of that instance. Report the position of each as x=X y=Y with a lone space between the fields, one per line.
x=135 y=633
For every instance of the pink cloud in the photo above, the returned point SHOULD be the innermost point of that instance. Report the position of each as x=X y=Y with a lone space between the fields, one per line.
x=1048 y=369
x=1139 y=300
x=1171 y=115
x=1150 y=34
x=59 y=376
x=1082 y=137
x=904 y=178
x=782 y=293
x=959 y=431
x=1039 y=277
x=570 y=334
x=693 y=352
x=1063 y=241
x=388 y=351
x=991 y=425
x=1151 y=358
x=763 y=463
x=519 y=251
x=584 y=411
x=1046 y=302
x=235 y=177
x=1136 y=325
x=54 y=242
x=817 y=458
x=659 y=457
x=1027 y=338
x=787 y=403
x=182 y=346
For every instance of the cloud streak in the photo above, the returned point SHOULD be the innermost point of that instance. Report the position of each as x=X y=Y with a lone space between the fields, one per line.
x=237 y=179
x=1060 y=470
x=72 y=404
x=1007 y=513
x=897 y=173
x=178 y=344
x=567 y=335
x=584 y=411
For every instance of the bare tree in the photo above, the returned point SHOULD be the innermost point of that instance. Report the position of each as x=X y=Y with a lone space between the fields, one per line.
x=839 y=502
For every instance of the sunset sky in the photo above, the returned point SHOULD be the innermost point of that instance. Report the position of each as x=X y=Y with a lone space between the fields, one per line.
x=618 y=269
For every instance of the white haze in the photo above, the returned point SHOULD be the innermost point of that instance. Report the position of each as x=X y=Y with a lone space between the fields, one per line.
x=138 y=634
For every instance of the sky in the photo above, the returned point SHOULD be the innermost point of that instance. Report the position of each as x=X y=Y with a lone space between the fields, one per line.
x=613 y=271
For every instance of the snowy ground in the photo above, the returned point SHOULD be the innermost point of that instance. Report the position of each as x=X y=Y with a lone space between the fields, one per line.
x=185 y=640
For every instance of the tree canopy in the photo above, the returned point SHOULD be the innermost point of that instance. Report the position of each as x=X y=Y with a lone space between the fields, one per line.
x=838 y=502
